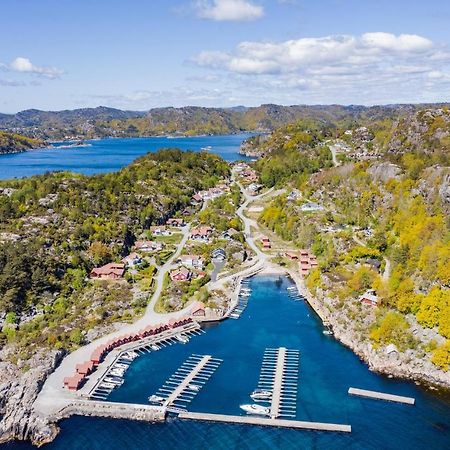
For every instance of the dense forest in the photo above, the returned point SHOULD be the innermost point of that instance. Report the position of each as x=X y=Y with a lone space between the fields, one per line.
x=54 y=228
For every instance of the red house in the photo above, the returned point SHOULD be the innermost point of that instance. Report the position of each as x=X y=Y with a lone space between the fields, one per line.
x=265 y=241
x=110 y=271
x=181 y=274
x=369 y=298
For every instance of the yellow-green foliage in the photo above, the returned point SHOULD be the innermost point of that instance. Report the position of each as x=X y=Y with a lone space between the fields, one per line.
x=313 y=280
x=391 y=328
x=361 y=280
x=441 y=356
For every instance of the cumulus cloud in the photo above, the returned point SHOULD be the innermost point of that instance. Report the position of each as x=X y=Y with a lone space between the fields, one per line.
x=371 y=68
x=304 y=53
x=228 y=10
x=24 y=65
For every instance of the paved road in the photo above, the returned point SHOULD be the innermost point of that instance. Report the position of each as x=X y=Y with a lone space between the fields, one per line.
x=53 y=396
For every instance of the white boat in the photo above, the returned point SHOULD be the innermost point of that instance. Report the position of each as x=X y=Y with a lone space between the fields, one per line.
x=154 y=347
x=120 y=366
x=107 y=385
x=113 y=381
x=327 y=332
x=193 y=387
x=156 y=399
x=256 y=410
x=183 y=339
x=261 y=394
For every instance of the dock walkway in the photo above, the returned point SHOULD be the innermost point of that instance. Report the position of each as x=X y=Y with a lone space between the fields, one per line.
x=381 y=396
x=279 y=375
x=112 y=410
x=296 y=424
x=187 y=380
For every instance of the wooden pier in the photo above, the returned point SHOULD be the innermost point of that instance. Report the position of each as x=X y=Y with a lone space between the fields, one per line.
x=381 y=396
x=280 y=423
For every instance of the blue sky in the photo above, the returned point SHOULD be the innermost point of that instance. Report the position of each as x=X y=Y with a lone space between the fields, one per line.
x=139 y=54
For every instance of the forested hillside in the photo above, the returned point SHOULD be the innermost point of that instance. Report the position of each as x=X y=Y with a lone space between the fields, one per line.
x=15 y=143
x=103 y=122
x=382 y=223
x=54 y=228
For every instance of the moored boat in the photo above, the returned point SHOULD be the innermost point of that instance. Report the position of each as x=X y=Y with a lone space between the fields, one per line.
x=256 y=410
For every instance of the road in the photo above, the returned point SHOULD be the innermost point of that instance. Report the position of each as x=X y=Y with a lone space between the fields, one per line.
x=53 y=396
x=333 y=149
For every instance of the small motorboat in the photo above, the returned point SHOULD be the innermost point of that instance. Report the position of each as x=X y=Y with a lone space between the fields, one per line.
x=156 y=399
x=327 y=332
x=194 y=387
x=114 y=380
x=154 y=347
x=261 y=395
x=183 y=339
x=257 y=410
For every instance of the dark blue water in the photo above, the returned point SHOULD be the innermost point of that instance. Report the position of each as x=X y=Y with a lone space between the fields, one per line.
x=327 y=370
x=108 y=155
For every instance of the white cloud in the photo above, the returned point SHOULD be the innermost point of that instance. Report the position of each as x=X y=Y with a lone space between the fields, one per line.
x=370 y=68
x=228 y=10
x=24 y=65
x=304 y=53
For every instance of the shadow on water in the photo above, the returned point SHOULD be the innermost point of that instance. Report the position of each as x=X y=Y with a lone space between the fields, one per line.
x=327 y=370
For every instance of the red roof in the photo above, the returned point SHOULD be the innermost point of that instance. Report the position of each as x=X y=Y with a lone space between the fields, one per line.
x=109 y=270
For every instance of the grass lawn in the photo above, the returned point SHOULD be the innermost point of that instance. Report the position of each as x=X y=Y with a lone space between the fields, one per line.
x=173 y=239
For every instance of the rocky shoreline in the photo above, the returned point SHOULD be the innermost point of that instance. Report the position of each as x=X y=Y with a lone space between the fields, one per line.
x=398 y=365
x=18 y=391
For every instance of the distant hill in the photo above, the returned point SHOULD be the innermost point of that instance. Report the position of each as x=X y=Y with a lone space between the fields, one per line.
x=190 y=120
x=14 y=143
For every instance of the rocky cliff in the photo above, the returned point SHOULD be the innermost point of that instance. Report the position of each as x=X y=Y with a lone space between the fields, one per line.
x=18 y=392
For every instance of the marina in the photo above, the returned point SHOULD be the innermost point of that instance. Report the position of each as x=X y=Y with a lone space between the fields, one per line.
x=110 y=376
x=242 y=301
x=186 y=382
x=271 y=321
x=279 y=375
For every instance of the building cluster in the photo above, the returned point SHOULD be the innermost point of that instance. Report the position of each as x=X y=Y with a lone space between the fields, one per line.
x=84 y=369
x=191 y=267
x=201 y=233
x=307 y=261
x=211 y=193
x=247 y=174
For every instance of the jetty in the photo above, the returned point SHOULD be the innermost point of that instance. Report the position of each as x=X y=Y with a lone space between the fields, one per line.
x=186 y=382
x=280 y=423
x=113 y=410
x=279 y=374
x=381 y=396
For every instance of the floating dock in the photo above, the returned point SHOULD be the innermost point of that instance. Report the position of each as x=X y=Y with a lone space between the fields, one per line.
x=279 y=374
x=187 y=381
x=381 y=396
x=280 y=423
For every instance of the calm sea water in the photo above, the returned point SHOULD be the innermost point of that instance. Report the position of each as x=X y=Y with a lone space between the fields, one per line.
x=327 y=370
x=108 y=155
